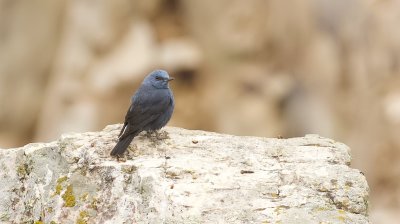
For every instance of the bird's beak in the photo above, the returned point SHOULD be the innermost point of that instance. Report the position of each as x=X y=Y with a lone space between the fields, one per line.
x=170 y=79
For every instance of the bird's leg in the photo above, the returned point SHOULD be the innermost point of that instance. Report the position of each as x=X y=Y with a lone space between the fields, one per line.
x=150 y=134
x=161 y=135
x=157 y=135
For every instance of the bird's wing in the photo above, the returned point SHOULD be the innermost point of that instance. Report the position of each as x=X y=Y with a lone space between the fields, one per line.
x=146 y=107
x=122 y=129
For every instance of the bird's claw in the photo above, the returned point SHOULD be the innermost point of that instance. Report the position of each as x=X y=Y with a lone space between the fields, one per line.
x=157 y=135
x=150 y=134
x=162 y=135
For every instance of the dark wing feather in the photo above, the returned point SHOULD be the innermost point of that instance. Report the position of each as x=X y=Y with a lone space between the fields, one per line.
x=123 y=129
x=146 y=107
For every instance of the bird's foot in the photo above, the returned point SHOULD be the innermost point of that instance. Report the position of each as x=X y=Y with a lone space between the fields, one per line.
x=162 y=135
x=157 y=135
x=150 y=134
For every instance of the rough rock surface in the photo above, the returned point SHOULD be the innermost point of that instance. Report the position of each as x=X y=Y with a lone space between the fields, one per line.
x=184 y=177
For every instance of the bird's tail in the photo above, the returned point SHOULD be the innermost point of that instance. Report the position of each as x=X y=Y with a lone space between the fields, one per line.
x=122 y=145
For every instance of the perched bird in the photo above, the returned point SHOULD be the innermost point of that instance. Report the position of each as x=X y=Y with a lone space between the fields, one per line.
x=151 y=108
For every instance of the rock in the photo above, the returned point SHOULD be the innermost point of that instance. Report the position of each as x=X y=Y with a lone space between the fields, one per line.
x=188 y=177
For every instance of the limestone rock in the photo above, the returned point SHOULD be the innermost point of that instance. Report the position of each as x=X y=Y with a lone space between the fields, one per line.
x=186 y=177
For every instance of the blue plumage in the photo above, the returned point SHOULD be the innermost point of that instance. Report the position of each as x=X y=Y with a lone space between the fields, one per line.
x=151 y=108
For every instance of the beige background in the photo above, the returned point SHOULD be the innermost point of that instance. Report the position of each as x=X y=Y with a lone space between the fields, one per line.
x=263 y=68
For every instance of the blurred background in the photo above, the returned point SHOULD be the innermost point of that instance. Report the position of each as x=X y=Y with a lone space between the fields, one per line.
x=264 y=68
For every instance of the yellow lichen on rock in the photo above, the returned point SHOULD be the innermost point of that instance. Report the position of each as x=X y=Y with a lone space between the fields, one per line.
x=83 y=216
x=69 y=198
x=59 y=185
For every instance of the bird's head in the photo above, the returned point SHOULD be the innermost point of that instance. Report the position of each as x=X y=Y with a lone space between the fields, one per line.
x=158 y=79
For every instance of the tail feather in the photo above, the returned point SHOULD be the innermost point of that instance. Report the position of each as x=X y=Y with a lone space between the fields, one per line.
x=122 y=145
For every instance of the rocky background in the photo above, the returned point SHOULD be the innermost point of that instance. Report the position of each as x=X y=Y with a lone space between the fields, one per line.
x=264 y=68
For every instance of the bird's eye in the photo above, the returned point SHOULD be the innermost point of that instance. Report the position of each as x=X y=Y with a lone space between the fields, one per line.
x=158 y=78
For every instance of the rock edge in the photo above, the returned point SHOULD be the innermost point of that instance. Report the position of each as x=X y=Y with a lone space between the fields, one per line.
x=187 y=177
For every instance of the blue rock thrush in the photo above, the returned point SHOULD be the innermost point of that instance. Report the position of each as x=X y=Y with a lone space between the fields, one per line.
x=150 y=110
